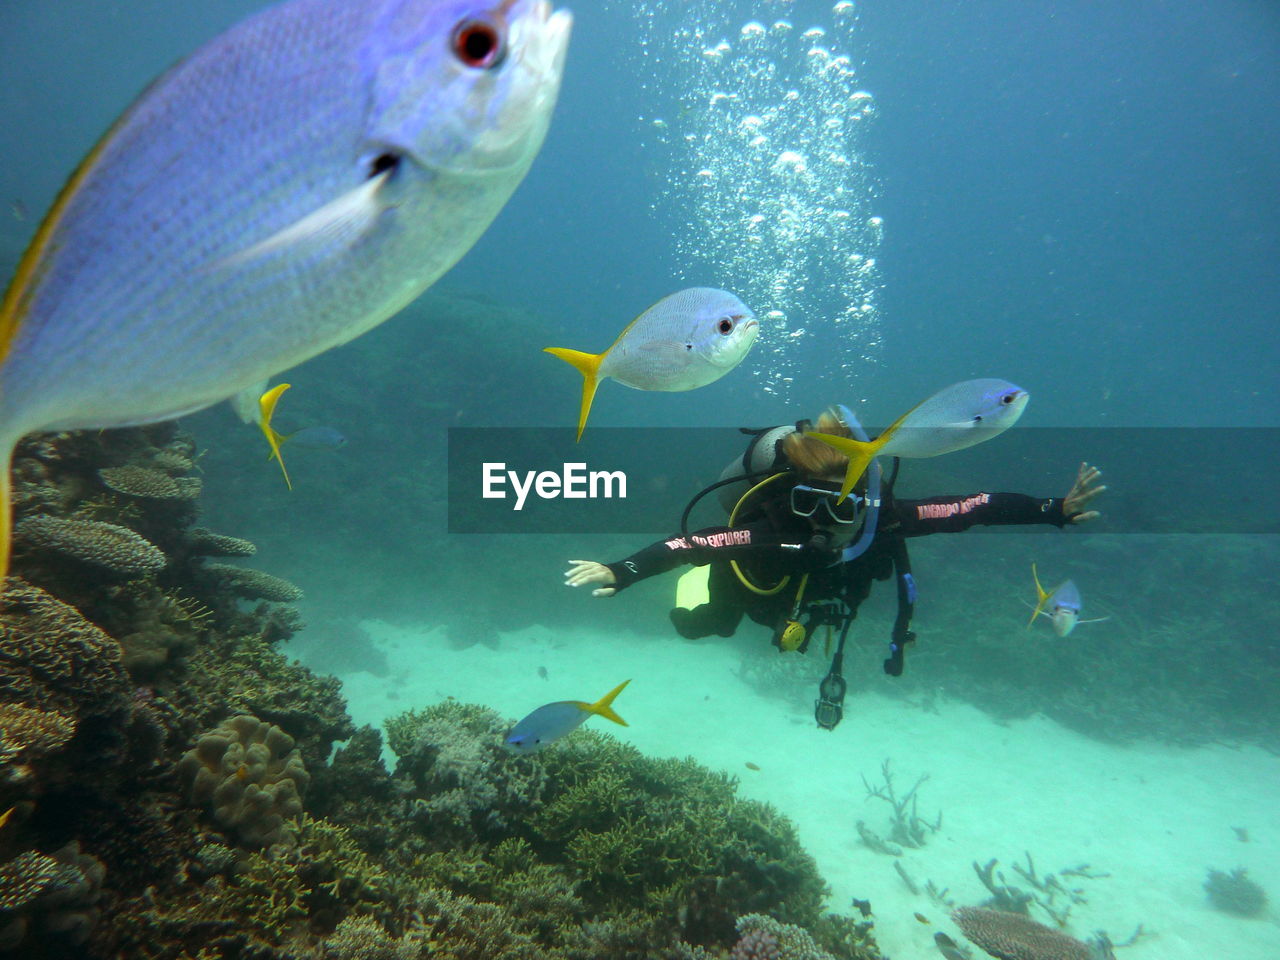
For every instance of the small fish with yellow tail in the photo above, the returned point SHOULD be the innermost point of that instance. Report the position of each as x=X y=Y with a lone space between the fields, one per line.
x=552 y=721
x=684 y=341
x=1062 y=605
x=292 y=184
x=958 y=416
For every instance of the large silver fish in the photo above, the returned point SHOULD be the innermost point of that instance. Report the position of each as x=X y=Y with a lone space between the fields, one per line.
x=292 y=184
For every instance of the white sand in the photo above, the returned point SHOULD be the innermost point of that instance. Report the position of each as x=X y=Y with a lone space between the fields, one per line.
x=1154 y=818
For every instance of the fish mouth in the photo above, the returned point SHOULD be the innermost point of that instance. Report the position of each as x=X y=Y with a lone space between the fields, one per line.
x=538 y=42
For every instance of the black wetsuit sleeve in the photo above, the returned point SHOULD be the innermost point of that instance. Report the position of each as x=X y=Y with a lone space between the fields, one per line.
x=953 y=514
x=714 y=543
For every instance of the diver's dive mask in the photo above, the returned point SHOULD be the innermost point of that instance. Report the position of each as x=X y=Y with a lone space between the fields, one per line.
x=806 y=499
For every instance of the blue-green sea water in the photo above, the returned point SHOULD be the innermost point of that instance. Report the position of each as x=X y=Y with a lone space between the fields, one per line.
x=1079 y=198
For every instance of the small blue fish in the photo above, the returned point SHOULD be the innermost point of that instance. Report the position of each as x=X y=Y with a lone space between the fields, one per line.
x=319 y=437
x=1062 y=605
x=552 y=721
x=292 y=184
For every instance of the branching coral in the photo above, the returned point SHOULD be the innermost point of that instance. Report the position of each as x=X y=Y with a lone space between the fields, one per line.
x=251 y=775
x=54 y=897
x=106 y=546
x=26 y=734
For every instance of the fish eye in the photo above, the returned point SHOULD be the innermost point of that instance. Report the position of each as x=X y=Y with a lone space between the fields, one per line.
x=725 y=325
x=1007 y=399
x=477 y=43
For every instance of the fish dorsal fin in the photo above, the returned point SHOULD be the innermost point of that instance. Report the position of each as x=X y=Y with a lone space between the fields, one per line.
x=337 y=225
x=603 y=707
x=267 y=405
x=587 y=364
x=1042 y=597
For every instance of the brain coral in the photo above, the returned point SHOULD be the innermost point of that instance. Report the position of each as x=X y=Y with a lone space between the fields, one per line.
x=251 y=775
x=105 y=545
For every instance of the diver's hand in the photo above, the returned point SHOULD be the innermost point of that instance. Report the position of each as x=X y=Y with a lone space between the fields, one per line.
x=1082 y=491
x=588 y=571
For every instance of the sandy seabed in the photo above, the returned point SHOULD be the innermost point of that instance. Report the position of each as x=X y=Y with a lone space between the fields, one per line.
x=1154 y=818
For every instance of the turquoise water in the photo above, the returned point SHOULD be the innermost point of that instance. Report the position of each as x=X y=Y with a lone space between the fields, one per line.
x=908 y=195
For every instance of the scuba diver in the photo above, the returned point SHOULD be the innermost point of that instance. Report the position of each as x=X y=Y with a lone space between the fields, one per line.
x=795 y=557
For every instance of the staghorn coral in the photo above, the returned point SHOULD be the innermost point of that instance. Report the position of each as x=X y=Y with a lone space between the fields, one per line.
x=206 y=543
x=252 y=776
x=106 y=546
x=254 y=584
x=1012 y=936
x=363 y=938
x=135 y=481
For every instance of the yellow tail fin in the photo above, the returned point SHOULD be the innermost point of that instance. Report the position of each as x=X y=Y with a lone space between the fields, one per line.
x=6 y=514
x=267 y=406
x=587 y=364
x=603 y=708
x=1042 y=596
x=859 y=452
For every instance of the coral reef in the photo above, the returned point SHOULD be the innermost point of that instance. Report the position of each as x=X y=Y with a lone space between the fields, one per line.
x=1235 y=893
x=253 y=584
x=252 y=776
x=169 y=786
x=107 y=546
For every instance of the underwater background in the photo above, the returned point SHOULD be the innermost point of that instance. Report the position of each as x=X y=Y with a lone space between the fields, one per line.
x=1077 y=199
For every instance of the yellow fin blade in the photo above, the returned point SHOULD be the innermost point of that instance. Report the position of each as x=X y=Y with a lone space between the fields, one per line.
x=267 y=407
x=603 y=706
x=691 y=588
x=859 y=452
x=587 y=364
x=6 y=515
x=1042 y=597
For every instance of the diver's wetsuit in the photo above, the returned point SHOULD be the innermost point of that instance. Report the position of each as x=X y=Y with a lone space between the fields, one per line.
x=774 y=542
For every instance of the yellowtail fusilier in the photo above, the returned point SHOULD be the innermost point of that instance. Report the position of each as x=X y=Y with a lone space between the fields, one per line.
x=958 y=416
x=1062 y=605
x=290 y=185
x=684 y=341
x=551 y=721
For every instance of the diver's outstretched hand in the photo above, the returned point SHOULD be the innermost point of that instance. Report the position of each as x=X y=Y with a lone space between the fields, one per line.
x=1082 y=491
x=588 y=571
